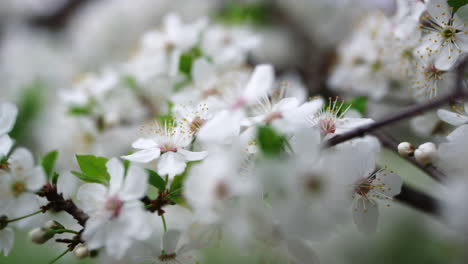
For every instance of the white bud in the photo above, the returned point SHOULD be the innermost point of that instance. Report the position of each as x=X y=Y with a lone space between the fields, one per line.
x=405 y=148
x=40 y=235
x=81 y=251
x=426 y=153
x=51 y=224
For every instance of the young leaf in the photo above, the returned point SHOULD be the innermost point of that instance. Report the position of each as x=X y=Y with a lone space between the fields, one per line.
x=87 y=178
x=187 y=59
x=359 y=104
x=48 y=162
x=456 y=4
x=271 y=143
x=94 y=168
x=156 y=180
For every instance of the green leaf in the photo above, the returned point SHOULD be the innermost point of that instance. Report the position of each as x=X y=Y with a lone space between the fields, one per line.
x=79 y=110
x=178 y=184
x=456 y=4
x=48 y=163
x=126 y=164
x=270 y=142
x=90 y=179
x=156 y=180
x=359 y=104
x=236 y=13
x=94 y=168
x=54 y=177
x=187 y=59
x=30 y=105
x=130 y=82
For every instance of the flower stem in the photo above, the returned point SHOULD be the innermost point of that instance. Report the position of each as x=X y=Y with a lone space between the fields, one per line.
x=24 y=217
x=164 y=223
x=66 y=231
x=60 y=256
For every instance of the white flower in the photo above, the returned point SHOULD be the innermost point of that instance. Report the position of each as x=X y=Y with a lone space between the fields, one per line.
x=446 y=35
x=167 y=143
x=6 y=240
x=331 y=119
x=429 y=80
x=226 y=124
x=192 y=116
x=364 y=184
x=8 y=113
x=228 y=46
x=172 y=251
x=454 y=204
x=452 y=154
x=456 y=118
x=18 y=184
x=116 y=215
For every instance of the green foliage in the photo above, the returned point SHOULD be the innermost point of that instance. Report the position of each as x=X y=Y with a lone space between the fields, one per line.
x=270 y=142
x=359 y=104
x=130 y=82
x=236 y=13
x=178 y=184
x=156 y=180
x=93 y=169
x=456 y=4
x=48 y=163
x=29 y=106
x=80 y=110
x=187 y=59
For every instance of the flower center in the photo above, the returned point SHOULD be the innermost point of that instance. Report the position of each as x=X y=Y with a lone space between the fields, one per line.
x=432 y=73
x=167 y=257
x=449 y=33
x=168 y=148
x=114 y=205
x=272 y=117
x=313 y=183
x=363 y=186
x=196 y=124
x=18 y=188
x=327 y=126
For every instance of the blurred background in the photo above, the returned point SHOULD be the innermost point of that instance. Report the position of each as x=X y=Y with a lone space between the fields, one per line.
x=45 y=44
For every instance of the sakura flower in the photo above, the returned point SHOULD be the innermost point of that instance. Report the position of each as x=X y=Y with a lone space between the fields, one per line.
x=192 y=116
x=18 y=184
x=116 y=215
x=429 y=80
x=8 y=113
x=365 y=185
x=173 y=250
x=226 y=124
x=452 y=154
x=458 y=117
x=446 y=35
x=331 y=119
x=6 y=240
x=168 y=143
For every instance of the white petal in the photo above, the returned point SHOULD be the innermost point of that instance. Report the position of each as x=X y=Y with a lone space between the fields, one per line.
x=67 y=184
x=222 y=128
x=286 y=104
x=301 y=252
x=8 y=113
x=446 y=57
x=144 y=143
x=135 y=184
x=308 y=109
x=116 y=171
x=366 y=215
x=6 y=240
x=117 y=246
x=91 y=196
x=170 y=240
x=462 y=41
x=389 y=183
x=260 y=83
x=21 y=160
x=5 y=145
x=171 y=164
x=144 y=156
x=193 y=156
x=452 y=118
x=203 y=72
x=439 y=10
x=95 y=232
x=458 y=134
x=36 y=179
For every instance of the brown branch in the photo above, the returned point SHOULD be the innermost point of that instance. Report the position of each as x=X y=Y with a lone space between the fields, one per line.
x=418 y=200
x=392 y=144
x=457 y=93
x=58 y=203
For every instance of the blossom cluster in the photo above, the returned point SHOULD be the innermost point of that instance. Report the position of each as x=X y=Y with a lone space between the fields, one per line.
x=188 y=142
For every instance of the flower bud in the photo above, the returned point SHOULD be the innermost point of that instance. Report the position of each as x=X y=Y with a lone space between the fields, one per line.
x=51 y=224
x=405 y=149
x=81 y=251
x=426 y=153
x=40 y=235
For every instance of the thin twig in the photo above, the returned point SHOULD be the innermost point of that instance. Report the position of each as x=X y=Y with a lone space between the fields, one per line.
x=457 y=93
x=392 y=144
x=418 y=200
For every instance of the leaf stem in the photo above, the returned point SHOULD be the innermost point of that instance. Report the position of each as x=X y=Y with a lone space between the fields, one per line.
x=24 y=217
x=164 y=223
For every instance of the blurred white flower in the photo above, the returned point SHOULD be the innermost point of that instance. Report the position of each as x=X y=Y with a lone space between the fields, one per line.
x=457 y=117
